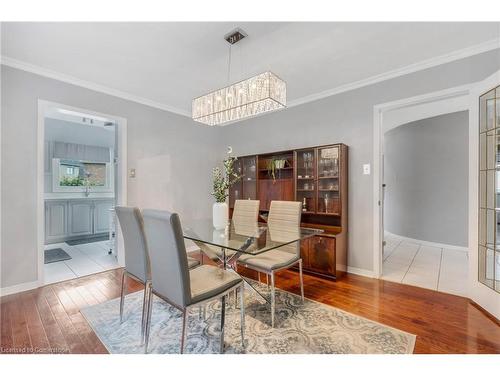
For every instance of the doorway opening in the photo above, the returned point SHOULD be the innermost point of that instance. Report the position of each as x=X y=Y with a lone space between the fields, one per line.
x=80 y=184
x=420 y=181
x=425 y=182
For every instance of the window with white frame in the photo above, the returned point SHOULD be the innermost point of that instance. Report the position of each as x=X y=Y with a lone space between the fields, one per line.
x=77 y=175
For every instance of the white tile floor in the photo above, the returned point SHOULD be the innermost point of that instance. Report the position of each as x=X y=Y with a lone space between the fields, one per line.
x=86 y=259
x=428 y=267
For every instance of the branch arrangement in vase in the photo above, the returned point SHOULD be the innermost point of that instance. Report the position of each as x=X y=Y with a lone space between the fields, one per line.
x=224 y=179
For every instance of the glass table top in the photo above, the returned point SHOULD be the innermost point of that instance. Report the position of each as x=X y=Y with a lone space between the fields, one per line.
x=246 y=236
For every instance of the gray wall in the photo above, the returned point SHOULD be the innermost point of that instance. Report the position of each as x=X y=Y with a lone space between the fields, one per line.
x=348 y=118
x=426 y=172
x=172 y=154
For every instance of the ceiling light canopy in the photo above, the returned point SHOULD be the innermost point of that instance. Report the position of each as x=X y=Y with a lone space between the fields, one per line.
x=251 y=97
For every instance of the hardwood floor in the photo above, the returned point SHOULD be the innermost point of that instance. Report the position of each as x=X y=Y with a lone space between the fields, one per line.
x=48 y=320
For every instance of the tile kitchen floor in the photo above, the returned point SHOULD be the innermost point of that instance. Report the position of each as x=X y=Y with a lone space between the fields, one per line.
x=428 y=267
x=85 y=259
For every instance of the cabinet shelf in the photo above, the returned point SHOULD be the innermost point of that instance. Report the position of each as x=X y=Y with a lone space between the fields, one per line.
x=312 y=190
x=276 y=170
x=326 y=177
x=332 y=190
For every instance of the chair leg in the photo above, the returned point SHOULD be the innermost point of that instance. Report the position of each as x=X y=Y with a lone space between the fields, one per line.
x=301 y=280
x=148 y=321
x=145 y=303
x=222 y=319
x=242 y=314
x=267 y=280
x=273 y=299
x=184 y=321
x=122 y=295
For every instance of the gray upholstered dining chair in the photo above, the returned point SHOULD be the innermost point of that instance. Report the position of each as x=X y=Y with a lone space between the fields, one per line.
x=172 y=280
x=245 y=211
x=137 y=262
x=137 y=265
x=283 y=222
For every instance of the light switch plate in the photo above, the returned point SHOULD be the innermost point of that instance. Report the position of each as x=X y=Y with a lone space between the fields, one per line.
x=366 y=168
x=131 y=173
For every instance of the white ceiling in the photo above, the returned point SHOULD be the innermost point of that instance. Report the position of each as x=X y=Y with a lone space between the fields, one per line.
x=68 y=126
x=171 y=63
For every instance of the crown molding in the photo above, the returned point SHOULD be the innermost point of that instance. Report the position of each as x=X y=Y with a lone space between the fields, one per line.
x=422 y=65
x=8 y=61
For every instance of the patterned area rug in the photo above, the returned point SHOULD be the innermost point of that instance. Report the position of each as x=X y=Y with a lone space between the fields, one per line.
x=300 y=327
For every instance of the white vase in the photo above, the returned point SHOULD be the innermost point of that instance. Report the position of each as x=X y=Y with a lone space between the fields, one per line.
x=220 y=215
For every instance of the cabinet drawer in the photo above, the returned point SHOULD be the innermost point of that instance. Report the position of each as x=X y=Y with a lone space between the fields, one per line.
x=321 y=255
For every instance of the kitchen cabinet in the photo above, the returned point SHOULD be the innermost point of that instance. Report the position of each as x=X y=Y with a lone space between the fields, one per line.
x=56 y=218
x=102 y=216
x=67 y=219
x=80 y=217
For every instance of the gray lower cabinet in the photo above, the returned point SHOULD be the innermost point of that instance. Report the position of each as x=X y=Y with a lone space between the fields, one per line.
x=76 y=218
x=56 y=219
x=80 y=218
x=101 y=216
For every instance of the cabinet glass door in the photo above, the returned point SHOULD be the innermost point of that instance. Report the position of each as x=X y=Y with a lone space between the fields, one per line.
x=305 y=184
x=249 y=179
x=328 y=180
x=489 y=190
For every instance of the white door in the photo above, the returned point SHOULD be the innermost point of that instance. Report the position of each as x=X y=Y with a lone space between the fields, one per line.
x=484 y=202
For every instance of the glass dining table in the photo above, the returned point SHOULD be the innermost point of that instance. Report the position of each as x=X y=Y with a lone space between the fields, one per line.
x=249 y=238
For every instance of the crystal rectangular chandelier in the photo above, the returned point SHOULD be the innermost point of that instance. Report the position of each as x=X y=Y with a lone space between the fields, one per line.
x=262 y=93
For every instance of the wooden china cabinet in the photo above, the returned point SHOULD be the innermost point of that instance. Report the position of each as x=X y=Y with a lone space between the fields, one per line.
x=315 y=176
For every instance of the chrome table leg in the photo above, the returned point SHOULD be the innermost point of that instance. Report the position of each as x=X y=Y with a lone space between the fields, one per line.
x=222 y=319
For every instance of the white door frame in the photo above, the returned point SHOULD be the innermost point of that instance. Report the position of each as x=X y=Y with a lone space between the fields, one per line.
x=396 y=113
x=121 y=188
x=484 y=296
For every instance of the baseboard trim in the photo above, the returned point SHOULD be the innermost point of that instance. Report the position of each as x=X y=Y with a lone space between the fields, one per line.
x=360 y=272
x=490 y=316
x=18 y=288
x=428 y=243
